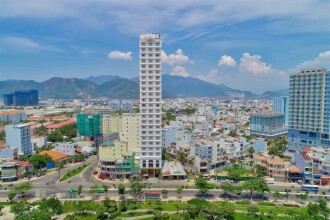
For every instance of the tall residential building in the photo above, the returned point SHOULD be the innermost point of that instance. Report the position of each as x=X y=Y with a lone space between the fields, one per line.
x=19 y=136
x=21 y=98
x=89 y=125
x=309 y=109
x=281 y=105
x=150 y=104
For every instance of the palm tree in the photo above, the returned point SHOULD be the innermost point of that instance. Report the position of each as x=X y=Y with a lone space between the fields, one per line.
x=277 y=196
x=181 y=157
x=79 y=189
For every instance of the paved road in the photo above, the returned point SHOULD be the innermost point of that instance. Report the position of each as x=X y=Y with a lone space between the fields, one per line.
x=85 y=178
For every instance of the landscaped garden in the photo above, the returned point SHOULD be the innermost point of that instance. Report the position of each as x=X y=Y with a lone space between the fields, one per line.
x=74 y=172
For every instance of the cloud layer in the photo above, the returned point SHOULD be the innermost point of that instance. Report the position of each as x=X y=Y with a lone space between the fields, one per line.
x=120 y=55
x=178 y=58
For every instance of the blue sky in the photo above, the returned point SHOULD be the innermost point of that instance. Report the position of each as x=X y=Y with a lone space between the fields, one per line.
x=250 y=45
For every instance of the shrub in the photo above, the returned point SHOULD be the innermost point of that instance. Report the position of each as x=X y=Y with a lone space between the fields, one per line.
x=243 y=202
x=266 y=203
x=290 y=205
x=115 y=214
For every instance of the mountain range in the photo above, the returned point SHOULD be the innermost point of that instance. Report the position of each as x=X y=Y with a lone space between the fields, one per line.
x=117 y=87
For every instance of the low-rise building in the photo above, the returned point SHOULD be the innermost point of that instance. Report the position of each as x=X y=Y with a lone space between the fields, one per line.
x=114 y=168
x=8 y=153
x=56 y=156
x=9 y=171
x=65 y=148
x=269 y=125
x=173 y=170
x=52 y=127
x=273 y=166
x=12 y=116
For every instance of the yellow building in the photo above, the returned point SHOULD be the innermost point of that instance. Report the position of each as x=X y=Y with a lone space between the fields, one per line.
x=111 y=123
x=112 y=150
x=130 y=132
x=128 y=127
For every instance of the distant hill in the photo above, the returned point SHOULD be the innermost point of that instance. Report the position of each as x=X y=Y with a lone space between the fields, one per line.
x=122 y=88
x=102 y=79
x=68 y=88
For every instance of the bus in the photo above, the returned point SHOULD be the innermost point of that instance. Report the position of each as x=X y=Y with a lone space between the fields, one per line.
x=309 y=188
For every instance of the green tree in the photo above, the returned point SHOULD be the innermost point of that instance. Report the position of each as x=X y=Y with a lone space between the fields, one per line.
x=106 y=189
x=203 y=185
x=233 y=133
x=94 y=189
x=121 y=189
x=136 y=186
x=259 y=171
x=323 y=205
x=39 y=161
x=303 y=196
x=277 y=195
x=179 y=190
x=22 y=188
x=84 y=206
x=196 y=205
x=313 y=209
x=251 y=186
x=52 y=205
x=55 y=136
x=36 y=215
x=18 y=208
x=252 y=210
x=11 y=196
x=262 y=186
x=181 y=157
x=164 y=192
x=79 y=189
x=236 y=174
x=227 y=188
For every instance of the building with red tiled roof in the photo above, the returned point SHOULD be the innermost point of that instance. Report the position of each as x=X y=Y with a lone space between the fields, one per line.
x=56 y=156
x=26 y=166
x=53 y=127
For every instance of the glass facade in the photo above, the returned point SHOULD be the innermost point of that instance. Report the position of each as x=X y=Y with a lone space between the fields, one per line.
x=22 y=98
x=309 y=110
x=89 y=124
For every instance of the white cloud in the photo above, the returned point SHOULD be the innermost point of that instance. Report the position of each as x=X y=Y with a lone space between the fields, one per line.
x=253 y=64
x=24 y=44
x=322 y=60
x=178 y=58
x=212 y=77
x=179 y=71
x=227 y=61
x=120 y=55
x=148 y=15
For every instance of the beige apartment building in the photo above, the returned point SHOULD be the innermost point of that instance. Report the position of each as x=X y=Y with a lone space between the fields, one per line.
x=130 y=132
x=111 y=123
x=128 y=127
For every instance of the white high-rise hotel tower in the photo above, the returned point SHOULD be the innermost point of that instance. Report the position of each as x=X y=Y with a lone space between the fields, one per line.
x=150 y=104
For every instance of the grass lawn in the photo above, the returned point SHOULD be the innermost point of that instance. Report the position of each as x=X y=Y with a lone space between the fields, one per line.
x=163 y=206
x=74 y=172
